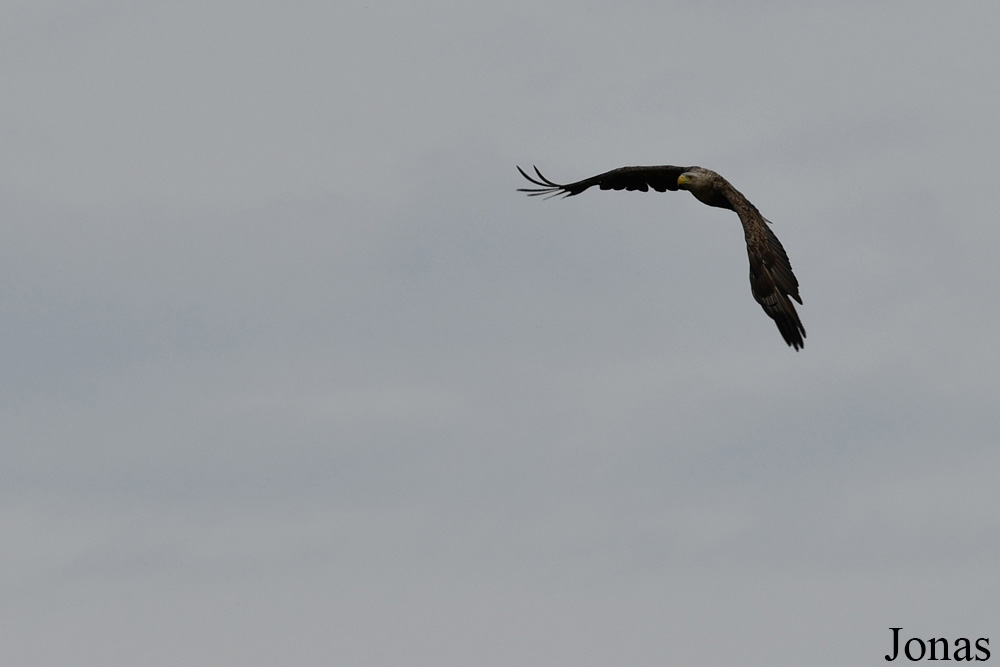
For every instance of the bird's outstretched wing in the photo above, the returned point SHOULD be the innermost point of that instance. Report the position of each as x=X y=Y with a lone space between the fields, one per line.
x=771 y=279
x=660 y=178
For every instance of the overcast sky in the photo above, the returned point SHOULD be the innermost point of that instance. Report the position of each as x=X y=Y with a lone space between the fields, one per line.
x=291 y=375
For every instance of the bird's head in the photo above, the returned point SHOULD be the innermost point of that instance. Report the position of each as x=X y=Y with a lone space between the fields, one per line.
x=694 y=178
x=705 y=185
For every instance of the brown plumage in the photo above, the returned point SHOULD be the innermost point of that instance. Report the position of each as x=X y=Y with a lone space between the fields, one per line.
x=771 y=279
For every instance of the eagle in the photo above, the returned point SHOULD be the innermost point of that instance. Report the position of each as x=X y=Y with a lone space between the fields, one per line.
x=771 y=279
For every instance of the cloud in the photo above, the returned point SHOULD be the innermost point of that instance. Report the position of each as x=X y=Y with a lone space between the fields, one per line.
x=290 y=369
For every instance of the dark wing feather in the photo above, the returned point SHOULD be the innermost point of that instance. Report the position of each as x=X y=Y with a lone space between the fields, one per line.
x=660 y=178
x=771 y=279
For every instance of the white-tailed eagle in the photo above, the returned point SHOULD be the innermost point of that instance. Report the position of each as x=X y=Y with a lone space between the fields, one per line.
x=771 y=279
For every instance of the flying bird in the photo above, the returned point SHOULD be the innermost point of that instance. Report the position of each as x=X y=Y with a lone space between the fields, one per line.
x=771 y=279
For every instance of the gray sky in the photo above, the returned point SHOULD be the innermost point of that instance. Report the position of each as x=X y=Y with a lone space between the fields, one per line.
x=292 y=375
